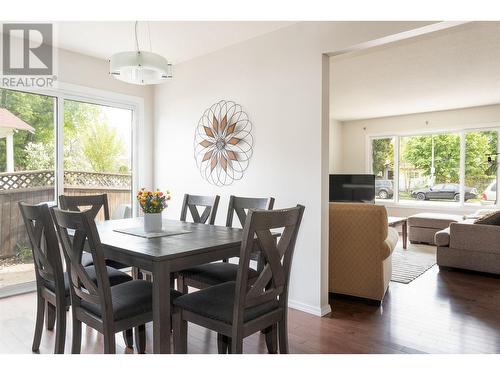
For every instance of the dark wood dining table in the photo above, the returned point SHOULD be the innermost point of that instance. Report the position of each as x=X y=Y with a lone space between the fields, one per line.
x=163 y=256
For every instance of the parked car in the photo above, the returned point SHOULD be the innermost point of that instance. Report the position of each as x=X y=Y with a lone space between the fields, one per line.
x=444 y=191
x=489 y=195
x=384 y=189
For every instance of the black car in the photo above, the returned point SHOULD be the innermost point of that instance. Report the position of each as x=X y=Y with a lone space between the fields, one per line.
x=443 y=191
x=384 y=189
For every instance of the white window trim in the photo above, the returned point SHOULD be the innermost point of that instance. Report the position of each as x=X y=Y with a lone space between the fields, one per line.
x=430 y=205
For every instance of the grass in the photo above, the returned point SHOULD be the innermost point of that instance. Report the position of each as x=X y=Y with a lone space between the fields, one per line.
x=24 y=254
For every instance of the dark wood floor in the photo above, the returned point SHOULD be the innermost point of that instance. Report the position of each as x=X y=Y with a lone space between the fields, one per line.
x=440 y=312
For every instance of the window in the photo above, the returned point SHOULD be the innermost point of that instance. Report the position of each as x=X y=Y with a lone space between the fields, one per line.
x=96 y=158
x=383 y=167
x=98 y=153
x=27 y=156
x=480 y=180
x=427 y=162
x=449 y=168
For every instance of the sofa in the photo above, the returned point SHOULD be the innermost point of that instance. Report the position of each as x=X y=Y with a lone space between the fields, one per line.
x=361 y=245
x=469 y=246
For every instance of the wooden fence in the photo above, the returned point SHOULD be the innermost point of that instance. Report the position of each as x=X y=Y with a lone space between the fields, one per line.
x=38 y=186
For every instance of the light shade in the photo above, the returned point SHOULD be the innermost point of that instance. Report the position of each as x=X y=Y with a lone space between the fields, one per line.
x=140 y=67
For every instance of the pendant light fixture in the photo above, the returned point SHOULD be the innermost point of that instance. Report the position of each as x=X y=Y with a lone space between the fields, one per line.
x=140 y=67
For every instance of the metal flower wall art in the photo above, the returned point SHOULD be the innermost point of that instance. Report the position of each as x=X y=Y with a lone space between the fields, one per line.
x=223 y=143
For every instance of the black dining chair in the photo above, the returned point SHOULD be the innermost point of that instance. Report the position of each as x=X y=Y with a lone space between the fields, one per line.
x=208 y=203
x=52 y=285
x=210 y=274
x=236 y=309
x=94 y=203
x=108 y=309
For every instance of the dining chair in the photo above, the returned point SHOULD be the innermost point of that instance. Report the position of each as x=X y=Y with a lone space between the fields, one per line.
x=52 y=284
x=236 y=309
x=96 y=202
x=122 y=211
x=210 y=274
x=209 y=204
x=108 y=309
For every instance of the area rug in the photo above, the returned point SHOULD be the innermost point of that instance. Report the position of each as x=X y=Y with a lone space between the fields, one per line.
x=409 y=264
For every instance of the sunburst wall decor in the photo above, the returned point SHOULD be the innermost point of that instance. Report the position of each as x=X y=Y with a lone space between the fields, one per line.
x=223 y=143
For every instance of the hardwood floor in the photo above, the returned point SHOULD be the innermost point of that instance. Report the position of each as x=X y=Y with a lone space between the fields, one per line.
x=440 y=312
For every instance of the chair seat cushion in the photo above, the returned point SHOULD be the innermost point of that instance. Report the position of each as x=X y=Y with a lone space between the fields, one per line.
x=88 y=261
x=115 y=264
x=215 y=273
x=217 y=302
x=115 y=277
x=129 y=299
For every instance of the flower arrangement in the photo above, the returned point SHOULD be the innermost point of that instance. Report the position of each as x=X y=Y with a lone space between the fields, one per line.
x=153 y=202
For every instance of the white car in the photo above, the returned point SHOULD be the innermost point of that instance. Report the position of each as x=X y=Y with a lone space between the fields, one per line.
x=489 y=195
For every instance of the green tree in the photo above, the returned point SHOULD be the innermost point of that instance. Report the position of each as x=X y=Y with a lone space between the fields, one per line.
x=382 y=155
x=39 y=156
x=35 y=110
x=477 y=146
x=102 y=147
x=417 y=152
x=89 y=143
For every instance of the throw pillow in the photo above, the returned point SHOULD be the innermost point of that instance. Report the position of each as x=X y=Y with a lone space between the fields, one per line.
x=492 y=218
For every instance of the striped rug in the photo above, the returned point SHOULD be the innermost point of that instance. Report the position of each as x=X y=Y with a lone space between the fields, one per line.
x=409 y=264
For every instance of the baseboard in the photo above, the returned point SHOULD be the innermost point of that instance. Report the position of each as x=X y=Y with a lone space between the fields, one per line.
x=309 y=309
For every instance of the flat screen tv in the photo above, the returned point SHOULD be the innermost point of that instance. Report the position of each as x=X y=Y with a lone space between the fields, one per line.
x=352 y=188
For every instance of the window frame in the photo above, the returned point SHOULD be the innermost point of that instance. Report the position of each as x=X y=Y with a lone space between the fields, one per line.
x=462 y=134
x=67 y=91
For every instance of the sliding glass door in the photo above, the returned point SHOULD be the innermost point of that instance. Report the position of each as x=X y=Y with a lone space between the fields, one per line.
x=95 y=145
x=27 y=174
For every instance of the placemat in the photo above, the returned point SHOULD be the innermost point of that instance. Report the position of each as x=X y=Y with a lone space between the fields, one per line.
x=139 y=231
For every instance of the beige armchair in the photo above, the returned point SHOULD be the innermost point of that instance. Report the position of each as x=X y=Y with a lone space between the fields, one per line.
x=361 y=244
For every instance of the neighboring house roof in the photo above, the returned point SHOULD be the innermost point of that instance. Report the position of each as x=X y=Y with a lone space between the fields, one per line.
x=9 y=120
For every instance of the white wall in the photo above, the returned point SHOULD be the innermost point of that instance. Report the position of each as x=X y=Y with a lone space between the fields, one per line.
x=335 y=147
x=280 y=81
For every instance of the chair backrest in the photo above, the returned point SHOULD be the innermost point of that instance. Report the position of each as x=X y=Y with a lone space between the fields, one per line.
x=84 y=235
x=241 y=205
x=44 y=245
x=95 y=202
x=192 y=202
x=272 y=282
x=123 y=211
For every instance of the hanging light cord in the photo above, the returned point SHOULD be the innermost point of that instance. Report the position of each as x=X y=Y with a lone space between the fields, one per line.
x=136 y=40
x=149 y=34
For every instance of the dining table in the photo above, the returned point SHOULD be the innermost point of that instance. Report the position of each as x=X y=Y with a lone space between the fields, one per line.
x=186 y=245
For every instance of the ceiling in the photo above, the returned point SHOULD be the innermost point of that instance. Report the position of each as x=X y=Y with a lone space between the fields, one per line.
x=453 y=68
x=176 y=40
